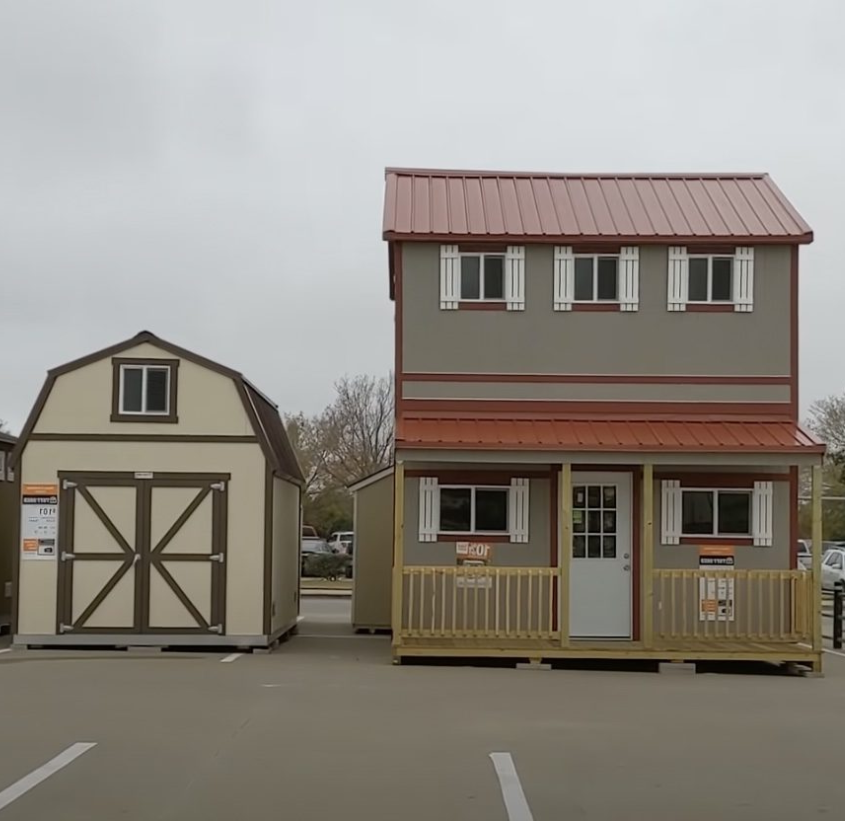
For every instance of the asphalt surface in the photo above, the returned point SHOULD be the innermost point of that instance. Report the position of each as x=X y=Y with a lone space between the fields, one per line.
x=328 y=728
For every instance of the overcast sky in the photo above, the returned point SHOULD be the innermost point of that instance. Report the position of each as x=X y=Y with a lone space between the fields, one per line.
x=213 y=171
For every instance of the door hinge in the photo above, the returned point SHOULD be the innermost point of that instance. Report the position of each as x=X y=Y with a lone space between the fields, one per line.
x=65 y=628
x=67 y=484
x=67 y=556
x=216 y=628
x=218 y=486
x=217 y=557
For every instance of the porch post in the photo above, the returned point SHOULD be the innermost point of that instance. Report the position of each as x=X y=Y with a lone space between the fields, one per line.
x=647 y=580
x=817 y=557
x=565 y=507
x=398 y=551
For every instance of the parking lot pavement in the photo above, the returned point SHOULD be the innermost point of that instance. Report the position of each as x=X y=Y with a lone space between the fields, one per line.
x=327 y=728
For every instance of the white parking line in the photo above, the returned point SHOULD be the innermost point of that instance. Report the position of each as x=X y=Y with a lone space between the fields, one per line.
x=514 y=797
x=33 y=779
x=834 y=652
x=230 y=658
x=6 y=650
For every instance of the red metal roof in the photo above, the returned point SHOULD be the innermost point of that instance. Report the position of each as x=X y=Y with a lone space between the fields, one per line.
x=622 y=434
x=431 y=204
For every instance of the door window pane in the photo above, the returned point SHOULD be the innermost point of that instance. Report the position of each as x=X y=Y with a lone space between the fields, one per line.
x=609 y=547
x=455 y=509
x=579 y=547
x=723 y=279
x=698 y=279
x=608 y=279
x=594 y=496
x=579 y=523
x=579 y=496
x=491 y=510
x=584 y=279
x=735 y=513
x=470 y=278
x=594 y=521
x=609 y=521
x=609 y=497
x=593 y=547
x=494 y=277
x=697 y=510
x=132 y=381
x=157 y=379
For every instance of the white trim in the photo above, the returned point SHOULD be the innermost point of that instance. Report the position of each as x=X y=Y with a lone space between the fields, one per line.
x=145 y=369
x=670 y=511
x=595 y=300
x=629 y=278
x=429 y=509
x=710 y=300
x=515 y=277
x=472 y=531
x=743 y=279
x=366 y=481
x=678 y=278
x=450 y=276
x=482 y=259
x=564 y=278
x=761 y=513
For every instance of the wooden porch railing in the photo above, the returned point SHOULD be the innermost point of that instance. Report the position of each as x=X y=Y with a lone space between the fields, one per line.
x=743 y=605
x=479 y=602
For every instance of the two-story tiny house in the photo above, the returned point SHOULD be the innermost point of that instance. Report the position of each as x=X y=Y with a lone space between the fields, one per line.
x=159 y=505
x=597 y=438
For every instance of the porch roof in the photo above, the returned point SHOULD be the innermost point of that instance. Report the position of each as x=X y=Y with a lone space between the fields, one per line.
x=627 y=434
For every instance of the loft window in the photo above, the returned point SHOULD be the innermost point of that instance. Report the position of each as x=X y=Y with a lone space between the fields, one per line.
x=711 y=279
x=716 y=513
x=473 y=509
x=596 y=279
x=482 y=277
x=144 y=389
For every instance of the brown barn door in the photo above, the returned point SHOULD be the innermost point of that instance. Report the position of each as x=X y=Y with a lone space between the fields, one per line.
x=184 y=565
x=100 y=550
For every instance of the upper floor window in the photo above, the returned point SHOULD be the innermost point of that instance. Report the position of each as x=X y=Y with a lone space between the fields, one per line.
x=711 y=279
x=482 y=277
x=596 y=278
x=144 y=389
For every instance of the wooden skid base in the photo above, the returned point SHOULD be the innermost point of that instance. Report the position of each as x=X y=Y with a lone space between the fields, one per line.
x=774 y=652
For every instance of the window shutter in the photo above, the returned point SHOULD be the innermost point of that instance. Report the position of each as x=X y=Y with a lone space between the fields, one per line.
x=429 y=509
x=744 y=280
x=671 y=512
x=515 y=277
x=761 y=514
x=450 y=277
x=629 y=278
x=564 y=277
x=678 y=278
x=518 y=513
x=2 y=466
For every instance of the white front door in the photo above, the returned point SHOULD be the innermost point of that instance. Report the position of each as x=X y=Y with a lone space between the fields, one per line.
x=600 y=568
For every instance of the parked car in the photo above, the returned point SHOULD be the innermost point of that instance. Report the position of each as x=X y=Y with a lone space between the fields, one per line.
x=833 y=568
x=342 y=541
x=312 y=550
x=309 y=532
x=805 y=555
x=318 y=559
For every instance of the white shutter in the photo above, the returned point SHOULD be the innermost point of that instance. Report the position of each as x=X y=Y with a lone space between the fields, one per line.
x=670 y=512
x=518 y=513
x=678 y=279
x=429 y=509
x=564 y=277
x=450 y=277
x=744 y=280
x=515 y=277
x=761 y=514
x=629 y=278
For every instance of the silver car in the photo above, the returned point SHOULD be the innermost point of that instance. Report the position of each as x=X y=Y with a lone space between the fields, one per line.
x=833 y=568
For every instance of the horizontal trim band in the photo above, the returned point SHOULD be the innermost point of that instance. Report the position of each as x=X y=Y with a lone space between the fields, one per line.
x=477 y=477
x=595 y=378
x=142 y=437
x=781 y=410
x=807 y=450
x=614 y=240
x=717 y=481
x=731 y=540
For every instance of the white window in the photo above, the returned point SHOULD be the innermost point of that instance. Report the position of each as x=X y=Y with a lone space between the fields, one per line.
x=596 y=278
x=145 y=390
x=482 y=278
x=716 y=512
x=711 y=279
x=465 y=509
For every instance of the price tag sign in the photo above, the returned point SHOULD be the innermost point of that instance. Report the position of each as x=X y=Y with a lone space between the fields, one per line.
x=39 y=522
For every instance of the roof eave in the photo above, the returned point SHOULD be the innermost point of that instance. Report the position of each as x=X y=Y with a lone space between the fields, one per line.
x=615 y=239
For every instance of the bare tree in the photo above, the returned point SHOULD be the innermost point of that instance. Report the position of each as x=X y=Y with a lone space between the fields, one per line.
x=306 y=434
x=827 y=421
x=358 y=427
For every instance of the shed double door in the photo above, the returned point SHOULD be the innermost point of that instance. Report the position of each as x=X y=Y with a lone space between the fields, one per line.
x=142 y=555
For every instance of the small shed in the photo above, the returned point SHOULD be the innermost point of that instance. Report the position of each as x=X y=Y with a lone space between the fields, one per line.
x=159 y=505
x=373 y=557
x=8 y=517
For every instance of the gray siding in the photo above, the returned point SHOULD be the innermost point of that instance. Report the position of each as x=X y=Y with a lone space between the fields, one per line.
x=534 y=553
x=649 y=341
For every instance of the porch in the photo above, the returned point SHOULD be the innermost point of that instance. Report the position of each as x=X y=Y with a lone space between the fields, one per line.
x=678 y=614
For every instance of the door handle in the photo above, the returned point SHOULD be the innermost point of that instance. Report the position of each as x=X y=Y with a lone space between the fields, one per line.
x=627 y=567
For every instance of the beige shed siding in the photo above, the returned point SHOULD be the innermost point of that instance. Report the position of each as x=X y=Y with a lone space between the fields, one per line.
x=8 y=520
x=285 y=568
x=42 y=462
x=534 y=553
x=372 y=579
x=207 y=402
x=541 y=340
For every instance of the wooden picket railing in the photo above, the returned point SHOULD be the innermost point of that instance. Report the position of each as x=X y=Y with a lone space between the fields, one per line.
x=479 y=602
x=739 y=605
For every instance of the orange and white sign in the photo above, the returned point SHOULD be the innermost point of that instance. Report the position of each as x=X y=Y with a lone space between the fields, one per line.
x=716 y=555
x=473 y=553
x=39 y=521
